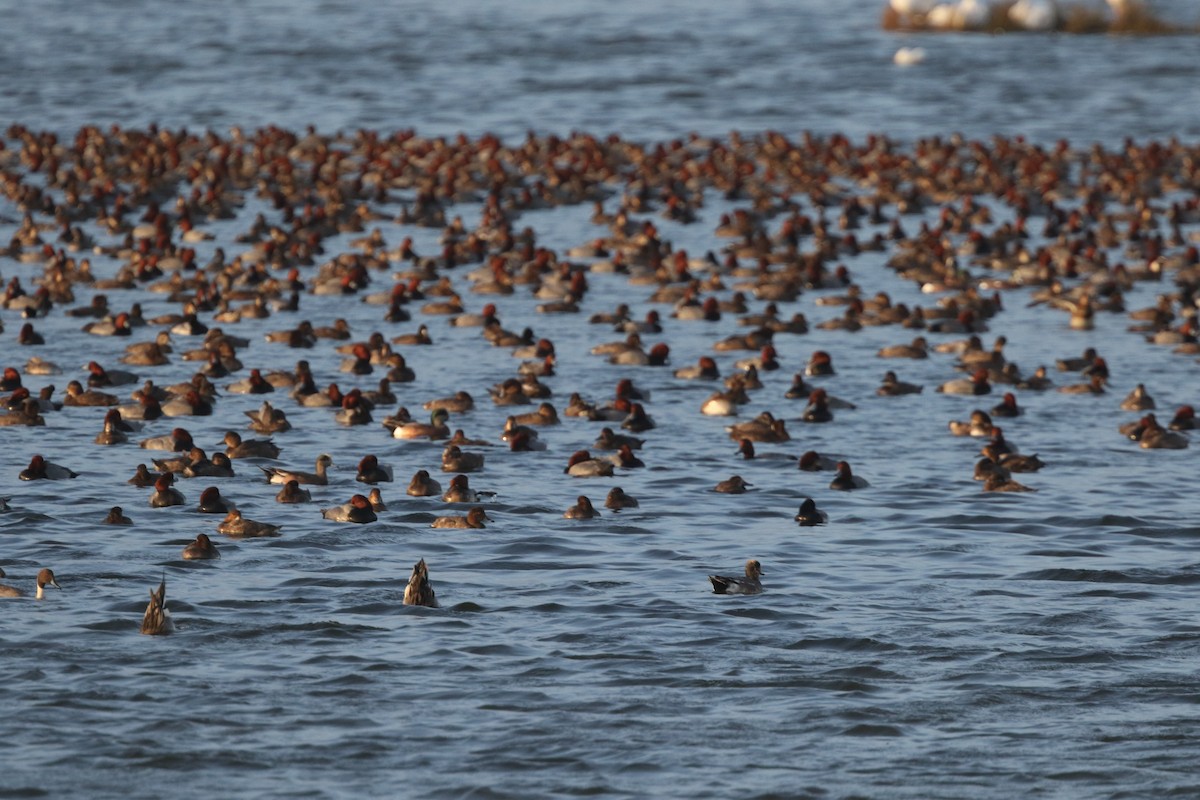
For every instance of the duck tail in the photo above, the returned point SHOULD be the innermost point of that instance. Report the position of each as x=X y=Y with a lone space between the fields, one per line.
x=720 y=585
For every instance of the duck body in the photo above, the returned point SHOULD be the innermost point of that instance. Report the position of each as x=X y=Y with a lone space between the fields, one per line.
x=156 y=621
x=750 y=584
x=419 y=591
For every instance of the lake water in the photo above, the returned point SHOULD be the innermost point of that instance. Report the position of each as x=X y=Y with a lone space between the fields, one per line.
x=931 y=641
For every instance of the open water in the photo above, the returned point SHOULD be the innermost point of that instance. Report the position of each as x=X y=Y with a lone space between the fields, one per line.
x=930 y=642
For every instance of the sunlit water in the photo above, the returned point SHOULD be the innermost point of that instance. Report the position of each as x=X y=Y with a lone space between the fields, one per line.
x=931 y=641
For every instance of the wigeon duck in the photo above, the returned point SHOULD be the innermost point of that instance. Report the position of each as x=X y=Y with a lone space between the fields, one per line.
x=358 y=510
x=893 y=386
x=583 y=509
x=732 y=485
x=458 y=403
x=977 y=384
x=763 y=428
x=705 y=369
x=455 y=459
x=821 y=363
x=419 y=592
x=235 y=524
x=211 y=502
x=41 y=469
x=116 y=516
x=435 y=429
x=582 y=465
x=422 y=485
x=751 y=584
x=237 y=447
x=201 y=549
x=809 y=515
x=157 y=619
x=998 y=483
x=371 y=471
x=44 y=578
x=1138 y=400
x=164 y=493
x=318 y=478
x=610 y=440
x=1007 y=407
x=845 y=480
x=617 y=499
x=475 y=518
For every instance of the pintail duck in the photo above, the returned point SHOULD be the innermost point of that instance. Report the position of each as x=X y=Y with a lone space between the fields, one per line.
x=422 y=485
x=751 y=584
x=201 y=549
x=475 y=518
x=583 y=509
x=809 y=515
x=318 y=478
x=235 y=524
x=419 y=592
x=116 y=516
x=44 y=578
x=358 y=510
x=157 y=619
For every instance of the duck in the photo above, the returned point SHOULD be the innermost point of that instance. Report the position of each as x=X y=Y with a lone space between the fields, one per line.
x=358 y=511
x=370 y=471
x=1013 y=462
x=892 y=386
x=582 y=465
x=617 y=499
x=1184 y=419
x=819 y=364
x=998 y=483
x=435 y=429
x=112 y=434
x=845 y=480
x=77 y=396
x=638 y=420
x=583 y=509
x=460 y=491
x=980 y=424
x=763 y=428
x=732 y=485
x=164 y=493
x=235 y=524
x=1094 y=385
x=455 y=459
x=201 y=549
x=977 y=384
x=986 y=468
x=179 y=440
x=254 y=383
x=812 y=461
x=750 y=584
x=237 y=447
x=457 y=403
x=799 y=388
x=41 y=469
x=268 y=419
x=422 y=485
x=720 y=404
x=475 y=518
x=703 y=370
x=918 y=348
x=116 y=516
x=211 y=502
x=1138 y=400
x=419 y=592
x=610 y=440
x=1007 y=407
x=292 y=493
x=45 y=577
x=809 y=515
x=157 y=619
x=318 y=478
x=817 y=409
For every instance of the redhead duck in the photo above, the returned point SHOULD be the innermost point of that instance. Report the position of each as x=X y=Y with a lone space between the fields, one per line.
x=545 y=415
x=419 y=592
x=318 y=478
x=116 y=516
x=422 y=485
x=460 y=439
x=1138 y=400
x=460 y=491
x=191 y=404
x=812 y=461
x=219 y=467
x=292 y=493
x=211 y=502
x=142 y=477
x=732 y=485
x=582 y=465
x=376 y=498
x=809 y=515
x=617 y=499
x=201 y=549
x=237 y=447
x=980 y=424
x=45 y=578
x=255 y=383
x=164 y=493
x=112 y=433
x=799 y=388
x=892 y=386
x=1037 y=382
x=458 y=403
x=41 y=469
x=763 y=428
x=435 y=429
x=977 y=384
x=1150 y=435
x=1094 y=385
x=157 y=619
x=100 y=377
x=178 y=441
x=638 y=420
x=235 y=524
x=421 y=337
x=986 y=468
x=268 y=419
x=512 y=430
x=454 y=459
x=751 y=584
x=28 y=336
x=919 y=348
x=998 y=483
x=721 y=404
x=1007 y=407
x=609 y=440
x=705 y=370
x=817 y=409
x=78 y=396
x=767 y=360
x=1013 y=462
x=1184 y=419
x=821 y=363
x=360 y=364
x=354 y=411
x=845 y=480
x=371 y=471
x=358 y=510
x=475 y=518
x=583 y=509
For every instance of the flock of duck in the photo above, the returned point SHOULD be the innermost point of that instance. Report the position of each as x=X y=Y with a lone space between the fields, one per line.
x=112 y=214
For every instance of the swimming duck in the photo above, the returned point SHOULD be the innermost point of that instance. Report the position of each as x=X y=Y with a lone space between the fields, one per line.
x=254 y=383
x=235 y=524
x=1094 y=385
x=582 y=465
x=178 y=441
x=318 y=478
x=458 y=403
x=268 y=419
x=719 y=404
x=41 y=469
x=435 y=429
x=1007 y=407
x=211 y=502
x=1013 y=462
x=617 y=499
x=201 y=549
x=705 y=369
x=977 y=384
x=812 y=461
x=751 y=584
x=732 y=485
x=980 y=424
x=799 y=388
x=817 y=409
x=164 y=493
x=809 y=515
x=893 y=386
x=998 y=483
x=237 y=447
x=583 y=509
x=44 y=578
x=419 y=592
x=157 y=620
x=78 y=396
x=475 y=518
x=460 y=491
x=454 y=459
x=763 y=428
x=112 y=433
x=1138 y=400
x=845 y=480
x=292 y=493
x=358 y=510
x=422 y=485
x=116 y=516
x=820 y=363
x=638 y=420
x=919 y=348
x=1184 y=419
x=610 y=440
x=370 y=471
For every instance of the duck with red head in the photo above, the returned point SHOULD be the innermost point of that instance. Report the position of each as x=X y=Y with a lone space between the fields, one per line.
x=845 y=480
x=582 y=465
x=705 y=369
x=977 y=384
x=358 y=511
x=820 y=364
x=40 y=469
x=818 y=408
x=164 y=493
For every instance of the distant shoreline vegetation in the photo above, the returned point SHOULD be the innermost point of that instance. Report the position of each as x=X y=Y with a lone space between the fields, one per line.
x=1131 y=17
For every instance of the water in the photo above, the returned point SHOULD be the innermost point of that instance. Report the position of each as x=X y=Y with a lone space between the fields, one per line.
x=931 y=641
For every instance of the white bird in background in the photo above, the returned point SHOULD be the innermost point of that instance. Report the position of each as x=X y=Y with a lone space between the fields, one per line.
x=908 y=56
x=1034 y=15
x=911 y=7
